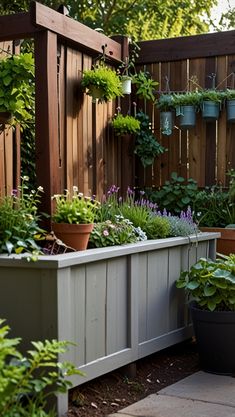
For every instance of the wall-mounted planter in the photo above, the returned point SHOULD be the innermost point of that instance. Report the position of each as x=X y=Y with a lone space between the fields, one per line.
x=166 y=122
x=230 y=107
x=118 y=304
x=210 y=110
x=187 y=116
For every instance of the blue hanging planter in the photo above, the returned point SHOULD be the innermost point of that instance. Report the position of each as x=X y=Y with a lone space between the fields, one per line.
x=230 y=107
x=187 y=116
x=210 y=110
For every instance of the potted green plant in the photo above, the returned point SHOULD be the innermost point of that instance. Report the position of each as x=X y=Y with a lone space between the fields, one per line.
x=230 y=104
x=16 y=89
x=124 y=125
x=73 y=218
x=165 y=105
x=211 y=101
x=186 y=105
x=102 y=83
x=210 y=286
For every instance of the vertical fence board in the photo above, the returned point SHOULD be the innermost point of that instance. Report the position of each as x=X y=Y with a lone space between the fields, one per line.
x=222 y=128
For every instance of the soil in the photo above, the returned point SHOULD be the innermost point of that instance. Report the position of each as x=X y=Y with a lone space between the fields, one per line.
x=116 y=390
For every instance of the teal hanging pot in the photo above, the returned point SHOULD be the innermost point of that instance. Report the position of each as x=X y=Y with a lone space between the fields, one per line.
x=210 y=110
x=230 y=106
x=187 y=116
x=166 y=122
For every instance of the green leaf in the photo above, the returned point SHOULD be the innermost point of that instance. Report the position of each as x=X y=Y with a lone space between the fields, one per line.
x=211 y=305
x=192 y=285
x=209 y=291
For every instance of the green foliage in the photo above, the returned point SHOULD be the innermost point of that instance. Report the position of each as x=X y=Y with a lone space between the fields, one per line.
x=17 y=87
x=190 y=98
x=145 y=85
x=157 y=227
x=27 y=382
x=211 y=283
x=229 y=94
x=175 y=195
x=119 y=232
x=147 y=147
x=181 y=227
x=19 y=229
x=74 y=209
x=105 y=80
x=212 y=207
x=125 y=125
x=165 y=102
x=212 y=95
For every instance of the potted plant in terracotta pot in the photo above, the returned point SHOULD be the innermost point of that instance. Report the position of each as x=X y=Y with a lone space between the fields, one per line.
x=210 y=286
x=73 y=218
x=101 y=83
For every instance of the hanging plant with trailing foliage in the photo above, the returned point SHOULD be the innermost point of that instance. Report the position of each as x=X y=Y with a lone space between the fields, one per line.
x=124 y=125
x=147 y=147
x=17 y=89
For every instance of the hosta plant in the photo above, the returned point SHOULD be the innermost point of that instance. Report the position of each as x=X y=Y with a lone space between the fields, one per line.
x=211 y=284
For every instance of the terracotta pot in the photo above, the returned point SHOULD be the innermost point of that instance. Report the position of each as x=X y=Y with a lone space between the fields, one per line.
x=74 y=235
x=226 y=243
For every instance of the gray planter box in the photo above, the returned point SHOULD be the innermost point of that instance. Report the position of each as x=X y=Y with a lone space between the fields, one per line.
x=118 y=304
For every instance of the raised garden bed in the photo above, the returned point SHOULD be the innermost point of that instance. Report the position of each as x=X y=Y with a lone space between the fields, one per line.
x=119 y=304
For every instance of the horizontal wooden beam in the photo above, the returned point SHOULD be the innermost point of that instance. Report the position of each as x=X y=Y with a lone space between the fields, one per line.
x=197 y=46
x=16 y=26
x=74 y=31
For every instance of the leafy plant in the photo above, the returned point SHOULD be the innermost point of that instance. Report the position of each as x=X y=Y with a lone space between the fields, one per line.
x=229 y=94
x=175 y=195
x=211 y=283
x=157 y=227
x=212 y=207
x=165 y=102
x=27 y=382
x=19 y=221
x=189 y=98
x=103 y=79
x=212 y=95
x=75 y=209
x=147 y=147
x=145 y=85
x=125 y=125
x=119 y=232
x=17 y=87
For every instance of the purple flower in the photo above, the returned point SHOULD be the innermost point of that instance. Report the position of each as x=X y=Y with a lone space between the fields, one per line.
x=14 y=193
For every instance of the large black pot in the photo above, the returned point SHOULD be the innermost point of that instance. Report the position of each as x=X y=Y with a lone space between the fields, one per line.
x=215 y=335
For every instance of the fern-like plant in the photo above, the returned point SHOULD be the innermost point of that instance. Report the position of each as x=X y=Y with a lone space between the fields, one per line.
x=124 y=125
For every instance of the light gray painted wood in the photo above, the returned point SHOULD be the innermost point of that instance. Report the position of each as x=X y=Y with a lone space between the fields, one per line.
x=95 y=310
x=143 y=296
x=176 y=297
x=202 y=250
x=78 y=278
x=116 y=309
x=133 y=295
x=157 y=281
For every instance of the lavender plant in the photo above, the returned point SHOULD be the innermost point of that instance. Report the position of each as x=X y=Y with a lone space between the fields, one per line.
x=182 y=225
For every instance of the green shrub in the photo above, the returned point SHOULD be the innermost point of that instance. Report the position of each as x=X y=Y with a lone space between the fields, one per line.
x=145 y=85
x=175 y=195
x=211 y=207
x=105 y=80
x=26 y=383
x=157 y=227
x=125 y=125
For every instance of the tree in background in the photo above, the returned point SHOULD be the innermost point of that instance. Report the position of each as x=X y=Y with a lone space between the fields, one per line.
x=140 y=19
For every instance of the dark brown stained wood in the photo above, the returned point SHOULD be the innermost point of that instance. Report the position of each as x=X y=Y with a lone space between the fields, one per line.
x=210 y=175
x=16 y=140
x=230 y=145
x=149 y=109
x=186 y=47
x=47 y=143
x=222 y=68
x=196 y=136
x=16 y=26
x=99 y=139
x=165 y=140
x=183 y=135
x=156 y=178
x=71 y=30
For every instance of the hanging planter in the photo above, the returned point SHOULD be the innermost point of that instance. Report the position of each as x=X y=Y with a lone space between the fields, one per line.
x=126 y=84
x=166 y=114
x=211 y=104
x=186 y=105
x=230 y=105
x=125 y=125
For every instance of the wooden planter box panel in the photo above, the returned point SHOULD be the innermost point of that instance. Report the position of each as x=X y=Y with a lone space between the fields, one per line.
x=117 y=304
x=226 y=242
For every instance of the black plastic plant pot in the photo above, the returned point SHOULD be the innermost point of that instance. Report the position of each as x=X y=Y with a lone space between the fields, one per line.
x=230 y=105
x=187 y=117
x=215 y=335
x=166 y=122
x=210 y=110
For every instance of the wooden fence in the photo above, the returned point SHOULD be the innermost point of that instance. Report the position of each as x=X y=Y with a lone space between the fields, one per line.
x=207 y=152
x=75 y=144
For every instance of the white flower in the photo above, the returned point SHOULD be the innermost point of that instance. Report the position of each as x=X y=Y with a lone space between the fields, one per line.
x=40 y=188
x=75 y=189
